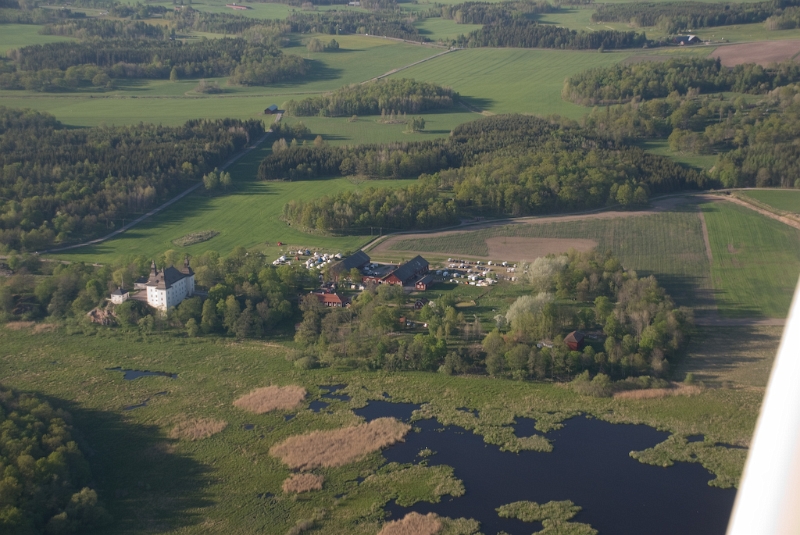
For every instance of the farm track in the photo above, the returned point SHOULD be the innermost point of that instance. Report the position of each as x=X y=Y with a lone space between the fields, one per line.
x=233 y=159
x=395 y=71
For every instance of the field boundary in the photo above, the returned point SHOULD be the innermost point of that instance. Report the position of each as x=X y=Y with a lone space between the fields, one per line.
x=233 y=159
x=404 y=67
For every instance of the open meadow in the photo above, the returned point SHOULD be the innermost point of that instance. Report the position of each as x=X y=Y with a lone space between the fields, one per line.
x=19 y=35
x=755 y=263
x=783 y=200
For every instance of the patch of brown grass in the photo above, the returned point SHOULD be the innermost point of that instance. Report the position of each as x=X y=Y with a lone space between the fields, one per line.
x=19 y=325
x=658 y=393
x=45 y=328
x=303 y=483
x=270 y=398
x=413 y=524
x=197 y=428
x=338 y=447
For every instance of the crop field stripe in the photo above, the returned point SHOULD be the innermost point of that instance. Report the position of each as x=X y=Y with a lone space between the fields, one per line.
x=756 y=261
x=785 y=200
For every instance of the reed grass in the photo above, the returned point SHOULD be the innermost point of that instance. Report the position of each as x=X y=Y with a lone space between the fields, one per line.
x=413 y=524
x=338 y=447
x=271 y=398
x=659 y=393
x=197 y=428
x=298 y=483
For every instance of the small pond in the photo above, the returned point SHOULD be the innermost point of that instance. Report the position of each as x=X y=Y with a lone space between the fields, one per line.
x=130 y=375
x=589 y=465
x=331 y=392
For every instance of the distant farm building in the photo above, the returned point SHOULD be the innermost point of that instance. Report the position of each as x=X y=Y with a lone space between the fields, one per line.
x=408 y=272
x=358 y=260
x=273 y=109
x=575 y=341
x=238 y=6
x=686 y=40
x=331 y=300
x=424 y=283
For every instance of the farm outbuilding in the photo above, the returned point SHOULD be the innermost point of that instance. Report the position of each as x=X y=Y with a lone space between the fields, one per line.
x=414 y=268
x=331 y=300
x=575 y=340
x=424 y=283
x=273 y=109
x=358 y=260
x=687 y=40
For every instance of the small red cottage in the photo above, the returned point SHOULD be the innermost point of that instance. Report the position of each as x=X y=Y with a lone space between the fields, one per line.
x=330 y=300
x=575 y=341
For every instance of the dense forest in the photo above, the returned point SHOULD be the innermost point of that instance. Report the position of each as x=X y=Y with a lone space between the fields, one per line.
x=54 y=67
x=106 y=29
x=529 y=34
x=654 y=79
x=59 y=183
x=485 y=13
x=398 y=95
x=673 y=17
x=504 y=165
x=45 y=485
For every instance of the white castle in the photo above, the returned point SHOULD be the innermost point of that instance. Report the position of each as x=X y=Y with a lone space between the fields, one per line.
x=170 y=286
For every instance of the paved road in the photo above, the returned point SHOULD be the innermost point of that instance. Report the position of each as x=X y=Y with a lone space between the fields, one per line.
x=170 y=202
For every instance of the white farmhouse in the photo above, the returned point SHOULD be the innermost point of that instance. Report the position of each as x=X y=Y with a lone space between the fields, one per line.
x=170 y=286
x=119 y=296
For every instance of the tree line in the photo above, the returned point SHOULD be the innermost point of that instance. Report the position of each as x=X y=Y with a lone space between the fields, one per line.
x=673 y=17
x=507 y=170
x=52 y=67
x=58 y=183
x=530 y=34
x=399 y=95
x=485 y=13
x=654 y=79
x=46 y=478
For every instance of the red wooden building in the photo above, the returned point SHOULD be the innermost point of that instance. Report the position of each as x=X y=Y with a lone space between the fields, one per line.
x=408 y=272
x=575 y=341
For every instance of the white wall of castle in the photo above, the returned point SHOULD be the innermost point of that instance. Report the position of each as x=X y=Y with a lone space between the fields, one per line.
x=172 y=296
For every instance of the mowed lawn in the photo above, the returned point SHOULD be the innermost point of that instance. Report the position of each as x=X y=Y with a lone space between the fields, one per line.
x=668 y=245
x=785 y=200
x=756 y=261
x=19 y=35
x=510 y=80
x=248 y=215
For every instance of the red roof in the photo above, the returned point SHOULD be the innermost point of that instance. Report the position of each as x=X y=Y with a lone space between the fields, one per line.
x=329 y=299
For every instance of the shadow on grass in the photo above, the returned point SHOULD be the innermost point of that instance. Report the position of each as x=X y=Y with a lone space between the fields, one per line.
x=143 y=484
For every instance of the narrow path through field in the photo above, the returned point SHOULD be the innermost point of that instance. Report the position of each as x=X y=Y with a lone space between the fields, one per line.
x=233 y=159
x=404 y=67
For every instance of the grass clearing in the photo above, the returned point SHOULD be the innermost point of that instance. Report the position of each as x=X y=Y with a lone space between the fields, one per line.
x=339 y=447
x=18 y=35
x=756 y=261
x=298 y=483
x=782 y=200
x=439 y=28
x=413 y=524
x=248 y=215
x=197 y=429
x=505 y=80
x=271 y=398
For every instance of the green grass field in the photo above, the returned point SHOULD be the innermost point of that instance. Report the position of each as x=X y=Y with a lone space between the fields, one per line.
x=668 y=245
x=248 y=215
x=783 y=200
x=228 y=484
x=512 y=80
x=439 y=28
x=756 y=261
x=19 y=35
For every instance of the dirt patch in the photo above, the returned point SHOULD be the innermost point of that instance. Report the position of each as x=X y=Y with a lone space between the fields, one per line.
x=658 y=393
x=45 y=328
x=732 y=249
x=705 y=237
x=19 y=325
x=197 y=428
x=338 y=447
x=270 y=398
x=413 y=524
x=303 y=483
x=517 y=249
x=763 y=53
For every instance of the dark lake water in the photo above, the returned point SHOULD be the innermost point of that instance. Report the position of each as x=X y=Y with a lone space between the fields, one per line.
x=130 y=375
x=589 y=465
